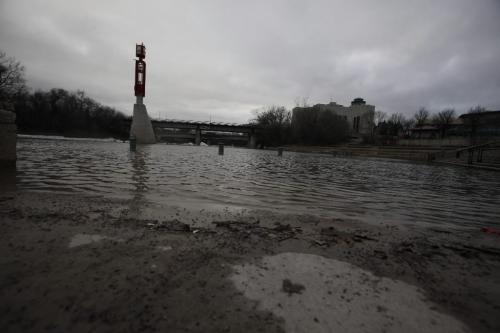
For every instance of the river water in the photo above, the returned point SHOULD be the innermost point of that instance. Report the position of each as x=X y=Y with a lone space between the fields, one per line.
x=368 y=189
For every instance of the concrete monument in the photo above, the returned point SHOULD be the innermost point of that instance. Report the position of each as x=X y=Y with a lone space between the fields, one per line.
x=141 y=129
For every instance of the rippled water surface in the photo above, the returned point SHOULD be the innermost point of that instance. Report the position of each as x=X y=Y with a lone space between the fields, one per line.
x=374 y=190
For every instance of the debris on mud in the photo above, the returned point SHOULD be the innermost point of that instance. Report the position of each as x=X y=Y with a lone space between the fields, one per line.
x=292 y=288
x=279 y=232
x=173 y=225
x=331 y=235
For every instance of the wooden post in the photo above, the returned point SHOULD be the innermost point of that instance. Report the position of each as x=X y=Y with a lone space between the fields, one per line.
x=280 y=151
x=471 y=156
x=221 y=149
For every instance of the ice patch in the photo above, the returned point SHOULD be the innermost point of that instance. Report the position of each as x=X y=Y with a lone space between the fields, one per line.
x=337 y=297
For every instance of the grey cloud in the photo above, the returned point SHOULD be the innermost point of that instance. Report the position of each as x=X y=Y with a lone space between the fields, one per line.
x=223 y=59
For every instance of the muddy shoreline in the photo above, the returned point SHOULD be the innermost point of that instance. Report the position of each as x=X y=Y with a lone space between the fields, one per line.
x=80 y=263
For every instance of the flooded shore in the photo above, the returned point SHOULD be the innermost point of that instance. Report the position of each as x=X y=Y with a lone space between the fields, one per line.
x=95 y=238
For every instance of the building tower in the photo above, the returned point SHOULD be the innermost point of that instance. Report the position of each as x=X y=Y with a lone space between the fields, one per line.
x=141 y=127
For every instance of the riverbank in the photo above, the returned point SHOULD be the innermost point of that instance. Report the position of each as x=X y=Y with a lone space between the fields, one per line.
x=79 y=263
x=437 y=155
x=395 y=152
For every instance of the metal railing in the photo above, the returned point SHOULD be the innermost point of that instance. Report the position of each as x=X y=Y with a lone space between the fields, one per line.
x=477 y=148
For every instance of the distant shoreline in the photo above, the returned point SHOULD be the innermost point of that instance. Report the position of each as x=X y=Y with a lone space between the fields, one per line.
x=61 y=137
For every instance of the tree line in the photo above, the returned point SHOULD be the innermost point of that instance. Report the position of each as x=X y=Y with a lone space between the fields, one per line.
x=57 y=111
x=397 y=123
x=313 y=126
x=309 y=126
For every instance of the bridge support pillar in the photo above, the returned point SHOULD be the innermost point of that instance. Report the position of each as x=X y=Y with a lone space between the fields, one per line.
x=252 y=140
x=197 y=139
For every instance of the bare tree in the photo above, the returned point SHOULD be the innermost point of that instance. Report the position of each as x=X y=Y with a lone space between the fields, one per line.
x=316 y=126
x=408 y=125
x=444 y=119
x=302 y=102
x=380 y=116
x=11 y=77
x=397 y=118
x=395 y=124
x=477 y=109
x=274 y=123
x=421 y=116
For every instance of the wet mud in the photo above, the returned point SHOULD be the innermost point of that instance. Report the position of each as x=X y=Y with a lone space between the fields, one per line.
x=80 y=263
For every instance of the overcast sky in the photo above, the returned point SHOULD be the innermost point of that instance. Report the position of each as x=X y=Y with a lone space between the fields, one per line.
x=223 y=59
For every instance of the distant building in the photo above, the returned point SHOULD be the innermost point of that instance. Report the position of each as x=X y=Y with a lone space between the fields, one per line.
x=468 y=129
x=359 y=115
x=486 y=123
x=430 y=130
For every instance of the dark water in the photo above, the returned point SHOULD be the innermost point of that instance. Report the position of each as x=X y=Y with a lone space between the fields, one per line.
x=374 y=190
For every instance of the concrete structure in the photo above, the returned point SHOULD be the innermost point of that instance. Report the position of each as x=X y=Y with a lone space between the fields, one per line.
x=359 y=115
x=8 y=139
x=141 y=128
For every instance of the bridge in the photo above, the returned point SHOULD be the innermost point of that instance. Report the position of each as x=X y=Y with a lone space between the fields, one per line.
x=172 y=130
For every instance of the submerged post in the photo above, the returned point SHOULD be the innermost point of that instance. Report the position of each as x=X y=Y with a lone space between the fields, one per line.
x=133 y=143
x=280 y=151
x=480 y=155
x=197 y=139
x=221 y=149
x=252 y=139
x=141 y=128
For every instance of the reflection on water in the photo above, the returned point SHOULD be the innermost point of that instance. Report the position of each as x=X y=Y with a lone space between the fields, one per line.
x=139 y=177
x=373 y=190
x=8 y=178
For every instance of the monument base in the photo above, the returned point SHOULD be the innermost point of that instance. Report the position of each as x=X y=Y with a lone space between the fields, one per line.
x=8 y=138
x=141 y=128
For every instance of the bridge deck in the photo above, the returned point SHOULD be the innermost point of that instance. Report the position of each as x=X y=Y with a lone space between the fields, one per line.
x=204 y=126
